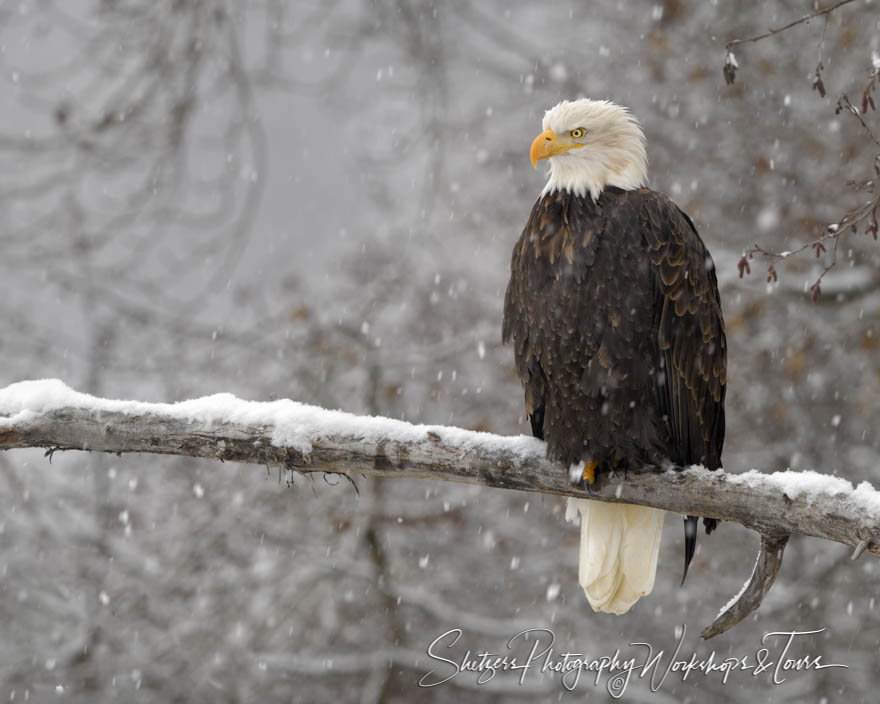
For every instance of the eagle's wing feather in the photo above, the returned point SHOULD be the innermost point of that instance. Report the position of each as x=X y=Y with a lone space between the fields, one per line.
x=693 y=346
x=690 y=334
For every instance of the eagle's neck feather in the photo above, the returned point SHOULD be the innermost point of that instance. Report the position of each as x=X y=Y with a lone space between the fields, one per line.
x=623 y=164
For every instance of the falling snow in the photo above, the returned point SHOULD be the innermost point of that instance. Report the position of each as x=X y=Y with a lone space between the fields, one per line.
x=273 y=209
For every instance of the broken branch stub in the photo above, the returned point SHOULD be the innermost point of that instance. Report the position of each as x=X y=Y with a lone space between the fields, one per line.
x=749 y=599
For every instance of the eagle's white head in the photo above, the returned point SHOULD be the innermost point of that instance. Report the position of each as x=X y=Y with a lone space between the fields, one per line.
x=591 y=144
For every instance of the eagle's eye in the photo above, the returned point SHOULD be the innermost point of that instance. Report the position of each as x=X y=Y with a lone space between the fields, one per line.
x=577 y=132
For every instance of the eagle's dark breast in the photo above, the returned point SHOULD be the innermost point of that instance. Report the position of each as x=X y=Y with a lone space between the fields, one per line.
x=614 y=313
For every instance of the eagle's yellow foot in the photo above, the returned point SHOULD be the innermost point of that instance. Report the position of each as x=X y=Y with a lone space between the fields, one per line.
x=589 y=475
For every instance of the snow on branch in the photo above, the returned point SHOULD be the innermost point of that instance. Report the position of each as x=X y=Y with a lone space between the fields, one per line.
x=297 y=437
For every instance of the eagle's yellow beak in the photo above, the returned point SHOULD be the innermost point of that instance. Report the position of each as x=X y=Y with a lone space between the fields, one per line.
x=547 y=144
x=542 y=147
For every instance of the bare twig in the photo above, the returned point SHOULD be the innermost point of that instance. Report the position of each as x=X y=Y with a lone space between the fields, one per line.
x=770 y=32
x=835 y=231
x=730 y=63
x=851 y=220
x=833 y=234
x=818 y=83
x=843 y=103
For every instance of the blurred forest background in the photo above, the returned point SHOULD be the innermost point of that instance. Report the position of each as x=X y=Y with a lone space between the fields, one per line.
x=318 y=200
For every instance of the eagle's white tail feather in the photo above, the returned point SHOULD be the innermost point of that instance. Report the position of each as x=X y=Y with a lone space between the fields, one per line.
x=619 y=547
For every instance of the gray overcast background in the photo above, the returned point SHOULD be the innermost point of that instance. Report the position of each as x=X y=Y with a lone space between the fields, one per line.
x=318 y=200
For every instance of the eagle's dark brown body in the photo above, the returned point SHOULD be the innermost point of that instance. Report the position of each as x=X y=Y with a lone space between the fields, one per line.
x=615 y=318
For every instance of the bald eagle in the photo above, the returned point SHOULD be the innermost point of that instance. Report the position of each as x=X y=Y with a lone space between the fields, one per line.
x=615 y=318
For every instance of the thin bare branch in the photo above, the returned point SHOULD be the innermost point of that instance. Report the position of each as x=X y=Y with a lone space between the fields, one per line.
x=851 y=220
x=868 y=211
x=843 y=103
x=770 y=32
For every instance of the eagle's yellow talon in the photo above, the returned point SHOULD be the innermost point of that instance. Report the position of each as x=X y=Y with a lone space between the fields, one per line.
x=590 y=471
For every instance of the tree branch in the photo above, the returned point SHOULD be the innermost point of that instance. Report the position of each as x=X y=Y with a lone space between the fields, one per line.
x=851 y=221
x=771 y=31
x=766 y=568
x=301 y=438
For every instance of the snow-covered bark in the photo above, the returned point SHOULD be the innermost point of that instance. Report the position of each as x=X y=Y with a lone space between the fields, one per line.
x=302 y=438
